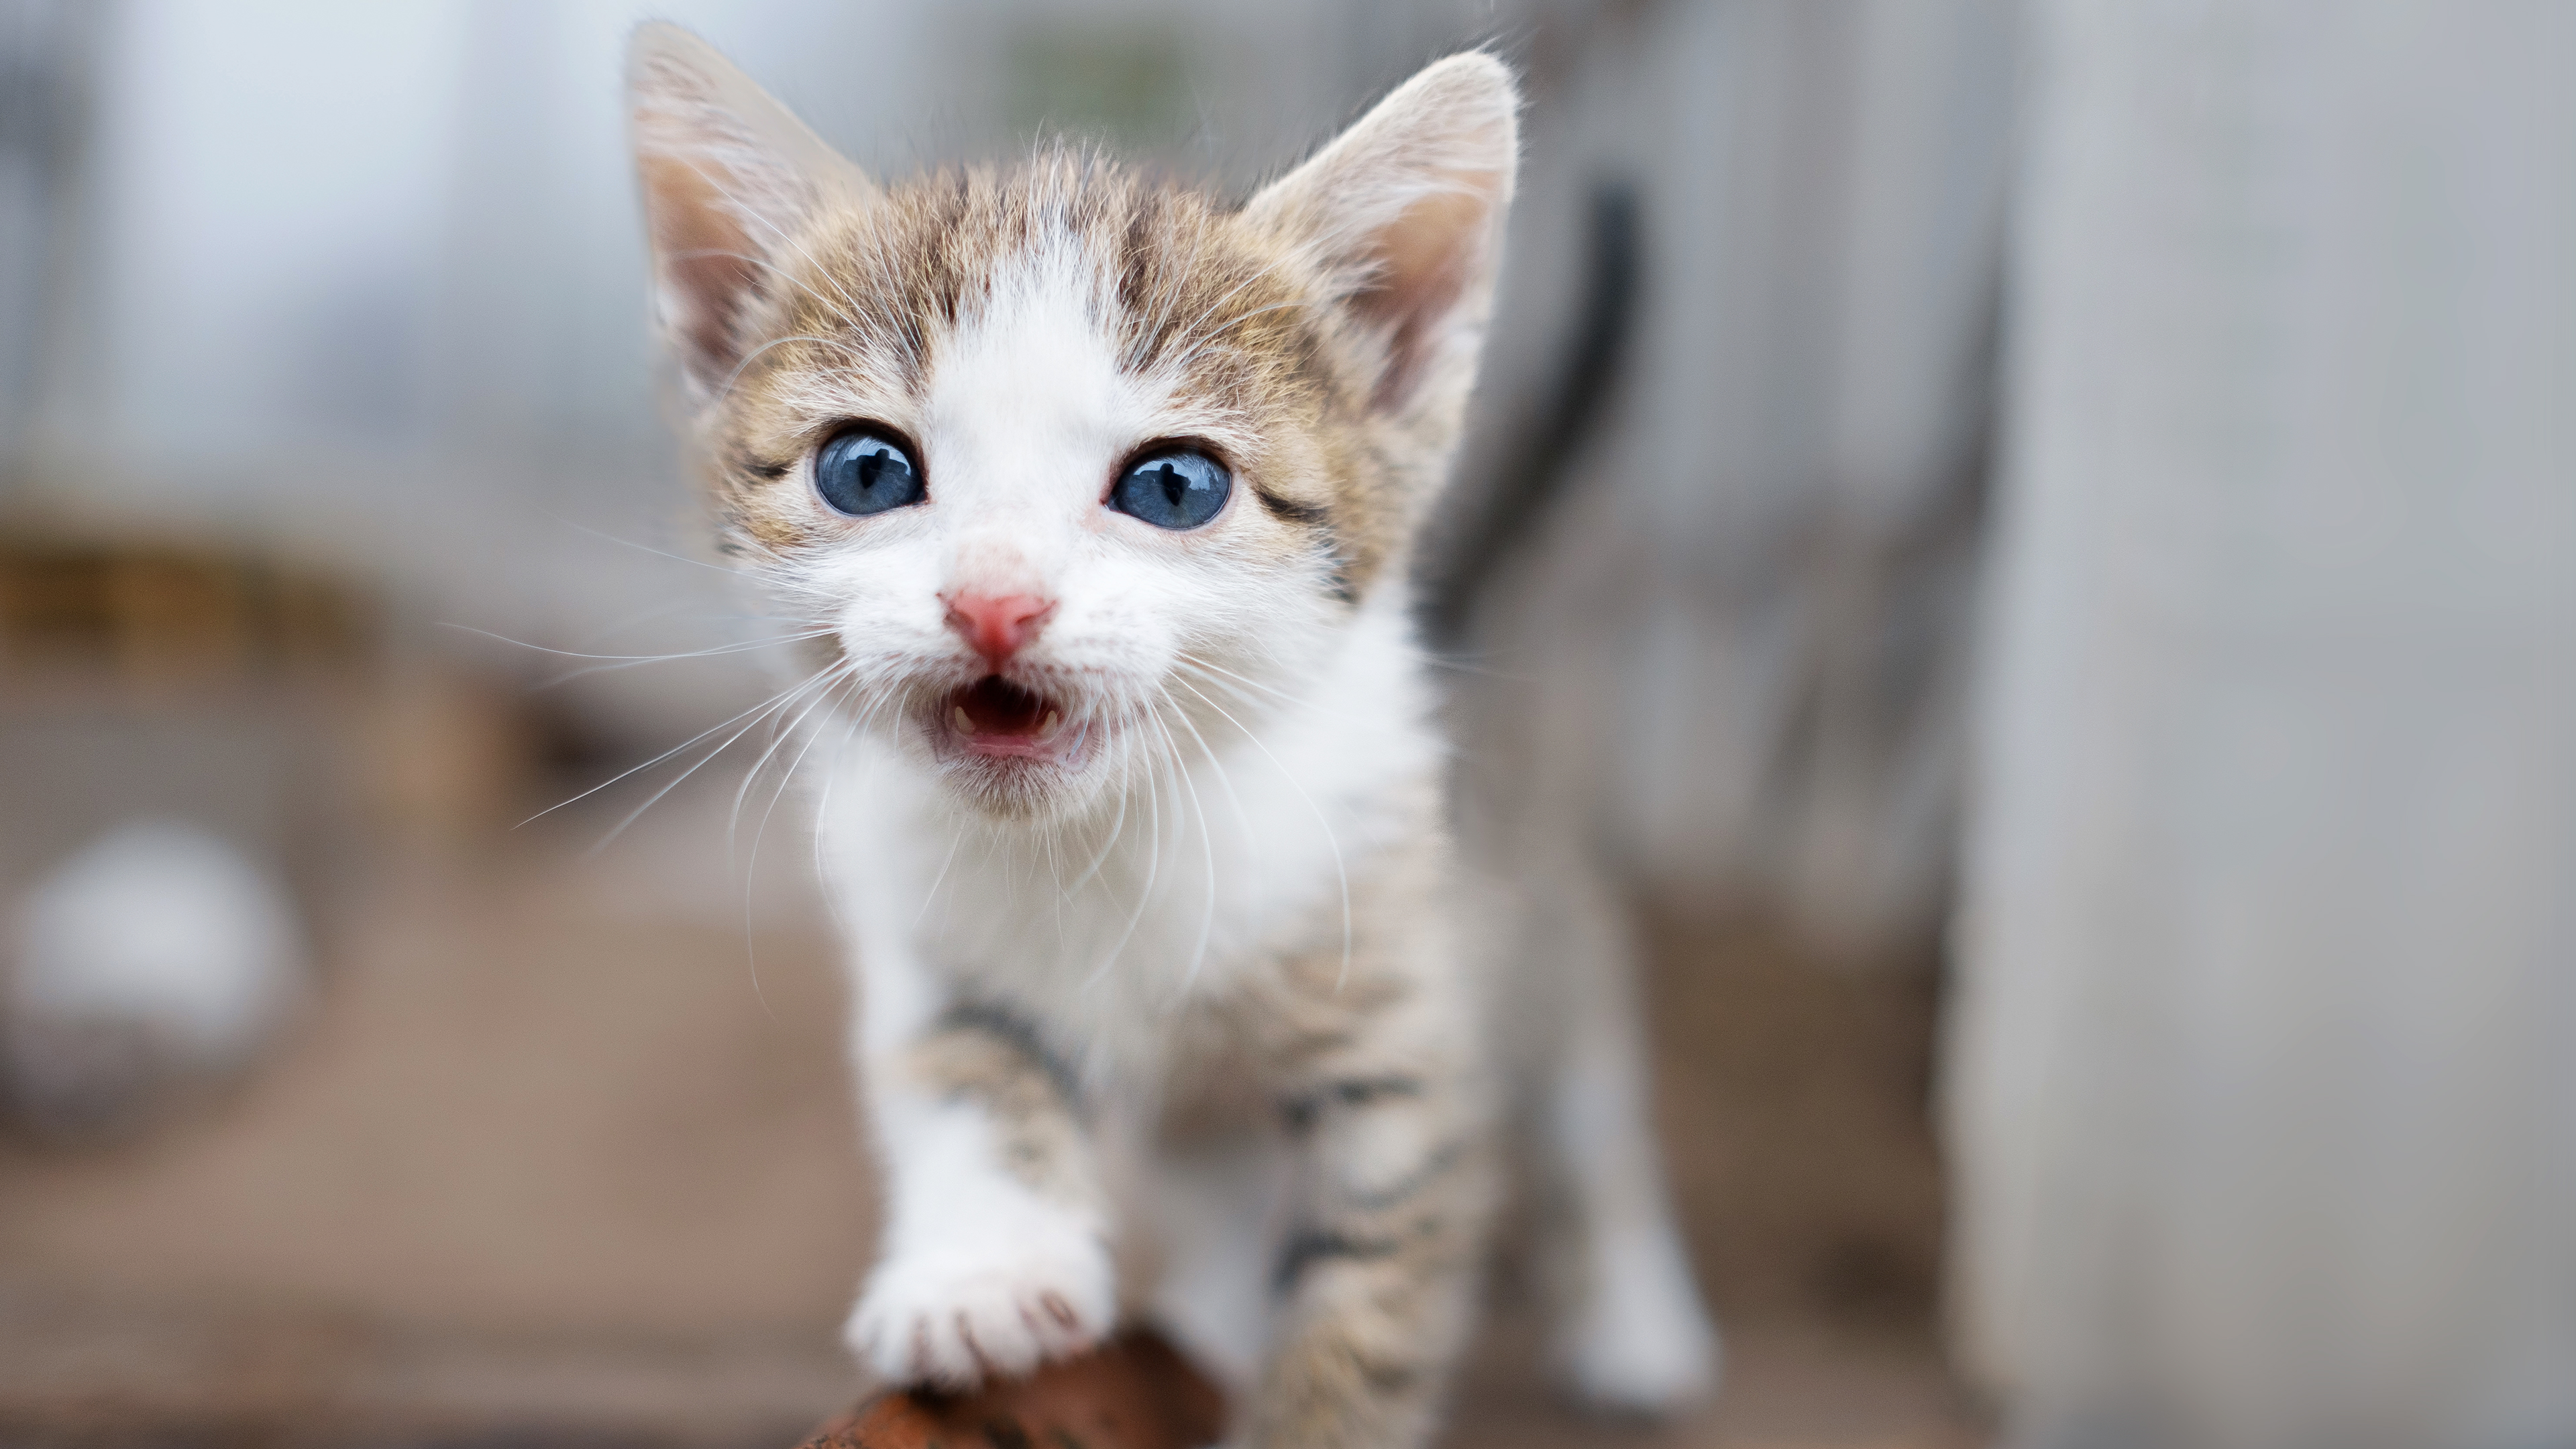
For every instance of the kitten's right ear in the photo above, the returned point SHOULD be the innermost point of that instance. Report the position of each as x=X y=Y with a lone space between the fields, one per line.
x=728 y=177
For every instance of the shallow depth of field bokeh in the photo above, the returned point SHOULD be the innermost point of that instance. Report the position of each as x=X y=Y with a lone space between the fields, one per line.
x=2033 y=541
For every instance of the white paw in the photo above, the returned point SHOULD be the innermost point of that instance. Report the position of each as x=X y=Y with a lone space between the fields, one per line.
x=1641 y=1344
x=952 y=1316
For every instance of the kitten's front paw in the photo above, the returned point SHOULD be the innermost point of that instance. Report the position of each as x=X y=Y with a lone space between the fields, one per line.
x=951 y=1317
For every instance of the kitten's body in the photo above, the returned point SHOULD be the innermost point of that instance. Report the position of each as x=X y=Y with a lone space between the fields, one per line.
x=1138 y=826
x=1187 y=972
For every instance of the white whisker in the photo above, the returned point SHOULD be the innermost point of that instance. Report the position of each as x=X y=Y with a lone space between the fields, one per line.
x=733 y=820
x=666 y=754
x=1207 y=849
x=656 y=798
x=1341 y=875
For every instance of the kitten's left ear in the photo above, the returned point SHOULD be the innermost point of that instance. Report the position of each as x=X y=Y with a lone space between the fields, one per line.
x=729 y=175
x=1405 y=211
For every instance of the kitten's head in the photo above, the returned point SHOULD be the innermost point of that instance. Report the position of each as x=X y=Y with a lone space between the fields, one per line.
x=1075 y=472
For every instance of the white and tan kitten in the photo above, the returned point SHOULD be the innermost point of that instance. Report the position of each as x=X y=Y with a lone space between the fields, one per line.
x=1098 y=494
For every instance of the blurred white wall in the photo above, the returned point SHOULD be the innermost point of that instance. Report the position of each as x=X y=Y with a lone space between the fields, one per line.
x=2262 y=1084
x=42 y=90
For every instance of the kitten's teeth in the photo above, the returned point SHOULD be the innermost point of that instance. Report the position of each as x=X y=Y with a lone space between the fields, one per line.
x=1054 y=722
x=957 y=717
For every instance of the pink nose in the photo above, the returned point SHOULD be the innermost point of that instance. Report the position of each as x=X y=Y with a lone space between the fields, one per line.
x=997 y=626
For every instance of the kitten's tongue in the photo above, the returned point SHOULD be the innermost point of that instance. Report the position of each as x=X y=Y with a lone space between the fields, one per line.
x=996 y=712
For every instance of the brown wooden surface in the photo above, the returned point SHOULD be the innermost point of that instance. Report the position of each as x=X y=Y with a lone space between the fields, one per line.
x=563 y=1156
x=1135 y=1393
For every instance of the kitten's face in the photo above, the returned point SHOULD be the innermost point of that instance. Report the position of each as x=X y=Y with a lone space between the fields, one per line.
x=1076 y=475
x=997 y=360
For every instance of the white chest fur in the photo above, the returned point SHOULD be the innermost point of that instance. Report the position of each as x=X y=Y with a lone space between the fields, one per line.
x=1243 y=848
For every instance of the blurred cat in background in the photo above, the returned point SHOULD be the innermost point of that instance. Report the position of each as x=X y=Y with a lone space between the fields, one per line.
x=1092 y=498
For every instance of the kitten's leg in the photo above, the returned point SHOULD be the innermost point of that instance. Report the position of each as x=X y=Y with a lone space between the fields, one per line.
x=1376 y=1282
x=995 y=1252
x=1632 y=1334
x=1216 y=1213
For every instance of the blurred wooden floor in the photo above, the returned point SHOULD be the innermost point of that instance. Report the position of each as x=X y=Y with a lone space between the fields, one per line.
x=563 y=1157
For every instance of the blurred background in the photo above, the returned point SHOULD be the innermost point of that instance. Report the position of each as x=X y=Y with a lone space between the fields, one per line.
x=2032 y=543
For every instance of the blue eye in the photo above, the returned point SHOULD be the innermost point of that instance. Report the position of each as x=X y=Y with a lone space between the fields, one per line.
x=1183 y=488
x=860 y=472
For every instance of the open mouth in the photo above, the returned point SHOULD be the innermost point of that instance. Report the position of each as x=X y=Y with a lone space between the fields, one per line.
x=993 y=716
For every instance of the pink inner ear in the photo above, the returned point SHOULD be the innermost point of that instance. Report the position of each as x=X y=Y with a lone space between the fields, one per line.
x=705 y=260
x=1424 y=259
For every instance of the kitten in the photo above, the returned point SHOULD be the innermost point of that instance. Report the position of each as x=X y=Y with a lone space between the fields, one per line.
x=1098 y=496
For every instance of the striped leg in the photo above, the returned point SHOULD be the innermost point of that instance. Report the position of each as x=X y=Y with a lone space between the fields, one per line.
x=1377 y=1278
